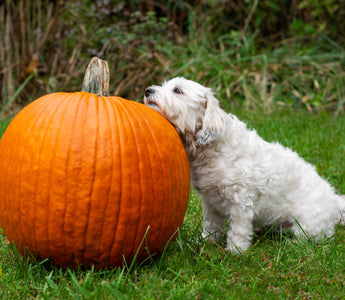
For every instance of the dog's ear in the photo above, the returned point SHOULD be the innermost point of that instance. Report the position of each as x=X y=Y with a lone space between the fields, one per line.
x=213 y=124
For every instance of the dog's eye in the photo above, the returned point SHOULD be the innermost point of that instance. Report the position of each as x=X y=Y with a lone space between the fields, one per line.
x=177 y=91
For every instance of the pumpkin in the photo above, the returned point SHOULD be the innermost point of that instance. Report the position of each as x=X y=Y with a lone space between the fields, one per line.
x=90 y=179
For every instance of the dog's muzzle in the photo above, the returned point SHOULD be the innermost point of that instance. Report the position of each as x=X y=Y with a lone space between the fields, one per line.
x=148 y=99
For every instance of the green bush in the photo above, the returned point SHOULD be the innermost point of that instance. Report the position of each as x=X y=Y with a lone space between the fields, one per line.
x=262 y=53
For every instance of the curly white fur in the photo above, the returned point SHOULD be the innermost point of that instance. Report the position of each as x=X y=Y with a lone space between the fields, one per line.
x=240 y=177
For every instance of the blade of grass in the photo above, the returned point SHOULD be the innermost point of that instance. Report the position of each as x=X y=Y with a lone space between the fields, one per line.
x=17 y=92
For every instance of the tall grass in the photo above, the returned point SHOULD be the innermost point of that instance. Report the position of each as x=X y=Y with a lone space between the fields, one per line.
x=27 y=33
x=46 y=45
x=309 y=78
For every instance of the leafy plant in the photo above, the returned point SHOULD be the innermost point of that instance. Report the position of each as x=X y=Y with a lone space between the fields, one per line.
x=260 y=53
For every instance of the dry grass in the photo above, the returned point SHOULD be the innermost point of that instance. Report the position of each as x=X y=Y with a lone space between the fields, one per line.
x=45 y=47
x=26 y=30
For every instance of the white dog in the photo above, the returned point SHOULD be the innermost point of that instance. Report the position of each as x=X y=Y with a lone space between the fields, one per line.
x=240 y=177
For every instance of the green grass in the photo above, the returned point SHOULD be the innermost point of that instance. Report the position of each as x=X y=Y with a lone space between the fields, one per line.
x=3 y=126
x=290 y=62
x=273 y=268
x=293 y=75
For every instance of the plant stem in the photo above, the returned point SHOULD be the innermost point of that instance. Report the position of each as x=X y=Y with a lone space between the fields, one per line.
x=17 y=92
x=96 y=79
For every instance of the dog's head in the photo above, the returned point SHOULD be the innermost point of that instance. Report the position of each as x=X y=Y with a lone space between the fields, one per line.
x=189 y=106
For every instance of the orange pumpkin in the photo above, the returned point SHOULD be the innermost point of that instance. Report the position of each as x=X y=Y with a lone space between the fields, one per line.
x=90 y=179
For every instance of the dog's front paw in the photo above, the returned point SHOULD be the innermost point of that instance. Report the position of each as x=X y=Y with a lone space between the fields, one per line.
x=237 y=248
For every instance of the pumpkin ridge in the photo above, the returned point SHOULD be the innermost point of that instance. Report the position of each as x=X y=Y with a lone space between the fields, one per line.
x=166 y=190
x=33 y=205
x=44 y=130
x=73 y=188
x=148 y=136
x=17 y=224
x=106 y=250
x=154 y=241
x=90 y=196
x=142 y=153
x=10 y=204
x=115 y=142
x=74 y=172
x=165 y=201
x=118 y=117
x=100 y=193
x=68 y=161
x=126 y=111
x=60 y=111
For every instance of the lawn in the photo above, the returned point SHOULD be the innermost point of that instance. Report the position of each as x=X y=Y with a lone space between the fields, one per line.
x=274 y=266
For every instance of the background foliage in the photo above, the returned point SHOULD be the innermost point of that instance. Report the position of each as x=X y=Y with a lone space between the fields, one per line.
x=260 y=53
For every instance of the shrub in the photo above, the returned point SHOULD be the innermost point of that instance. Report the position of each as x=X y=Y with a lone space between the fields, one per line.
x=256 y=51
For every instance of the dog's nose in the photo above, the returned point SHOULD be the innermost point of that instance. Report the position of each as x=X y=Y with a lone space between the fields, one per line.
x=149 y=91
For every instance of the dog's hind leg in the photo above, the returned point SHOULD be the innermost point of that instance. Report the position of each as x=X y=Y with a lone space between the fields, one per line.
x=314 y=228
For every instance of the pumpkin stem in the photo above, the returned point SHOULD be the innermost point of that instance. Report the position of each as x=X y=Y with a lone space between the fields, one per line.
x=96 y=79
